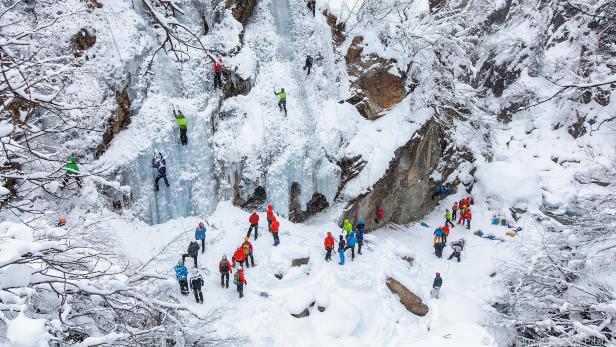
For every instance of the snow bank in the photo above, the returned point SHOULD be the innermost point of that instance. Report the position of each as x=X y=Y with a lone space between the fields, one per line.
x=26 y=332
x=508 y=183
x=459 y=335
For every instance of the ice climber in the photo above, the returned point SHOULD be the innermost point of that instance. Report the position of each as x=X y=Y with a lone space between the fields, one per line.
x=224 y=267
x=193 y=252
x=274 y=230
x=312 y=7
x=308 y=64
x=161 y=168
x=341 y=245
x=329 y=246
x=350 y=241
x=247 y=248
x=200 y=235
x=238 y=256
x=240 y=281
x=359 y=235
x=254 y=223
x=196 y=282
x=282 y=102
x=217 y=72
x=72 y=171
x=181 y=273
x=436 y=285
x=458 y=247
x=181 y=120
x=379 y=215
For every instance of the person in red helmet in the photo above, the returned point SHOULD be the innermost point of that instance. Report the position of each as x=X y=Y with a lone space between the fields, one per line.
x=270 y=215
x=329 y=246
x=224 y=267
x=247 y=247
x=240 y=281
x=254 y=223
x=274 y=230
x=238 y=257
x=217 y=72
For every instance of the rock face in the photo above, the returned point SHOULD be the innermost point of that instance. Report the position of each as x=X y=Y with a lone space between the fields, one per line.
x=118 y=121
x=234 y=85
x=405 y=191
x=317 y=203
x=378 y=84
x=241 y=9
x=350 y=167
x=411 y=301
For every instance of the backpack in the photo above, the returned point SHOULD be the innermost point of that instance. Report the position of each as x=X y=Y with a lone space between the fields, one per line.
x=224 y=266
x=236 y=278
x=246 y=249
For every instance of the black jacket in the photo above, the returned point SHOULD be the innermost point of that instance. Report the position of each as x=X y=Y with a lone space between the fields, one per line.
x=341 y=245
x=193 y=249
x=438 y=282
x=196 y=281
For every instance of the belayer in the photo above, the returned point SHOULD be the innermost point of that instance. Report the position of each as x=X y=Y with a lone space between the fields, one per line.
x=254 y=223
x=224 y=267
x=181 y=120
x=159 y=165
x=359 y=235
x=240 y=281
x=458 y=247
x=282 y=102
x=247 y=247
x=329 y=246
x=200 y=235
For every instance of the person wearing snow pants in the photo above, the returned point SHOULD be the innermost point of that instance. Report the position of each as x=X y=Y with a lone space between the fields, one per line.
x=193 y=252
x=200 y=235
x=224 y=267
x=196 y=282
x=341 y=248
x=350 y=241
x=254 y=223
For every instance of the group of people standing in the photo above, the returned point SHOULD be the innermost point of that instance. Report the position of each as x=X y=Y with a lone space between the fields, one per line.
x=347 y=241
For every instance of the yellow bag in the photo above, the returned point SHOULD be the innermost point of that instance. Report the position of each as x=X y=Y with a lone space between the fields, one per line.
x=511 y=233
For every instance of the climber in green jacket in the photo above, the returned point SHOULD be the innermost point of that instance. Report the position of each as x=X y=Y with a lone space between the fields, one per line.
x=72 y=170
x=347 y=226
x=181 y=119
x=282 y=103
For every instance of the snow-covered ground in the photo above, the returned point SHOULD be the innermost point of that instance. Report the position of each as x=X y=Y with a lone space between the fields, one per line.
x=361 y=310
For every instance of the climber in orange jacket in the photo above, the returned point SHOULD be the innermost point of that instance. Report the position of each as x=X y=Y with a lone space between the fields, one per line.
x=239 y=256
x=274 y=230
x=468 y=215
x=329 y=246
x=270 y=215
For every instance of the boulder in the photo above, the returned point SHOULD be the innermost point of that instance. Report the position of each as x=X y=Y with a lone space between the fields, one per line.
x=300 y=261
x=304 y=313
x=411 y=302
x=405 y=190
x=408 y=259
x=378 y=84
x=83 y=40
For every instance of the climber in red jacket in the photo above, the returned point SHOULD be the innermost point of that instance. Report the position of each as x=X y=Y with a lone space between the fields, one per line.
x=217 y=72
x=274 y=230
x=379 y=215
x=270 y=215
x=238 y=256
x=329 y=246
x=254 y=223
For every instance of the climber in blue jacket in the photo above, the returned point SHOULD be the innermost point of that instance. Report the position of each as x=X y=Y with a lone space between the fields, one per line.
x=360 y=234
x=181 y=273
x=200 y=235
x=350 y=243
